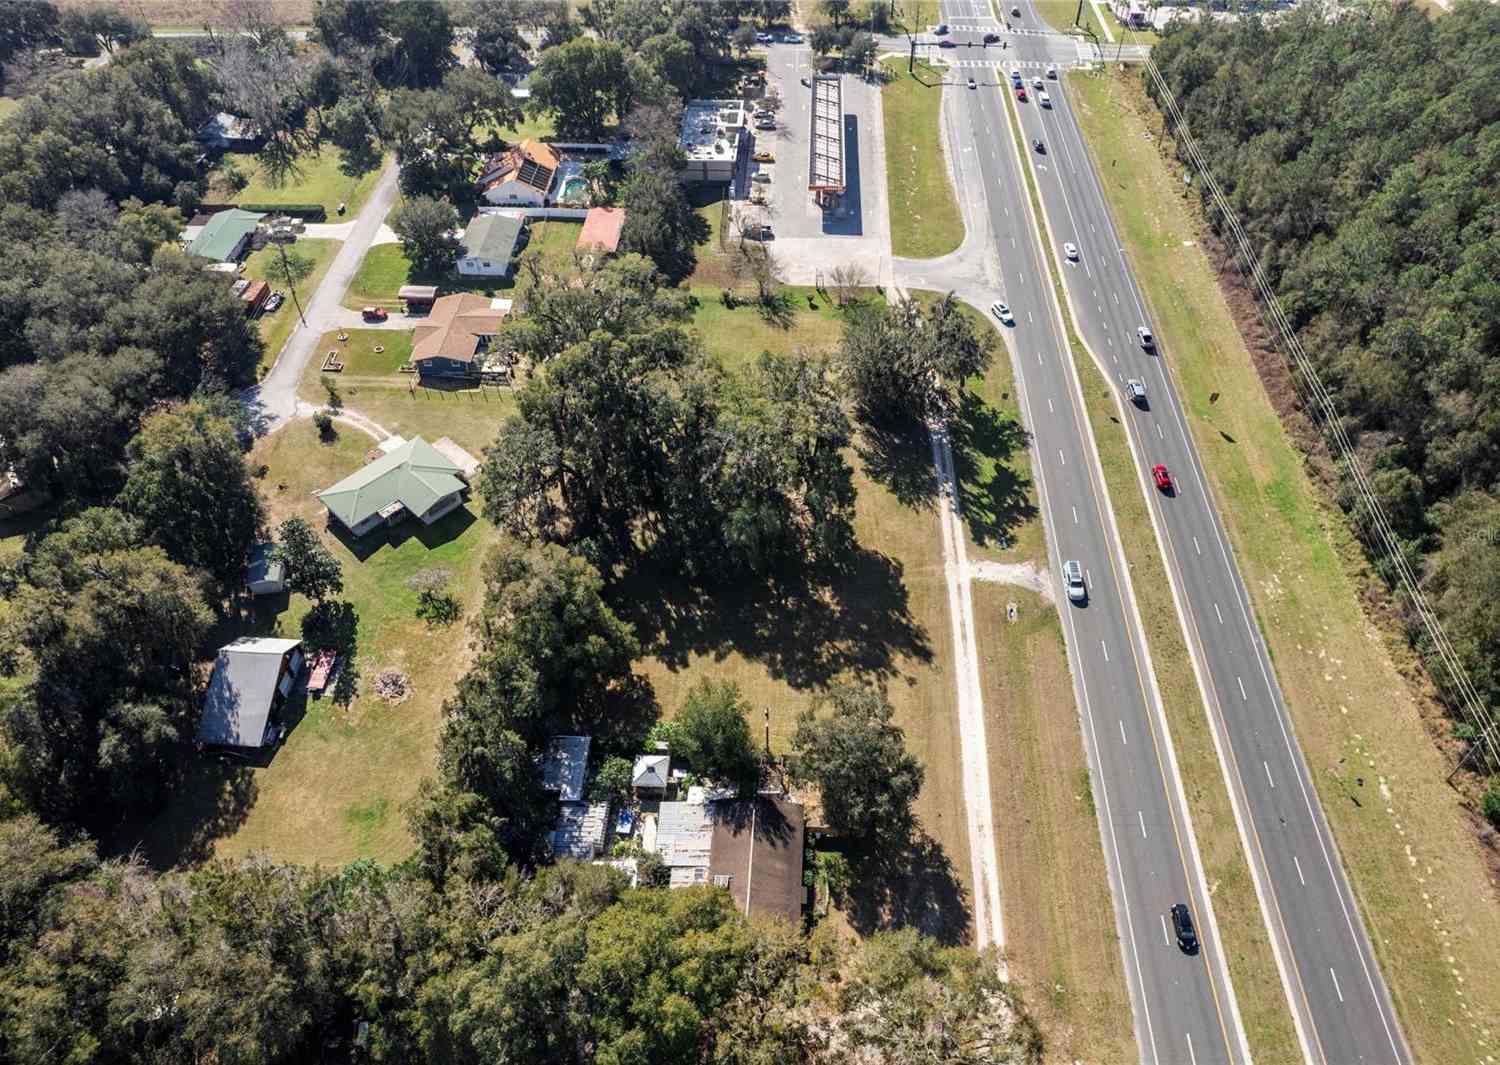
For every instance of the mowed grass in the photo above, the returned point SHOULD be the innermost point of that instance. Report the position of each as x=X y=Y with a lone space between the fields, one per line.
x=371 y=384
x=1247 y=948
x=737 y=335
x=316 y=178
x=337 y=789
x=554 y=237
x=1407 y=845
x=277 y=326
x=385 y=268
x=925 y=220
x=1061 y=940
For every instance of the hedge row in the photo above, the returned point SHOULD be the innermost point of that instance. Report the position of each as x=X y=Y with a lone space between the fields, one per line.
x=311 y=212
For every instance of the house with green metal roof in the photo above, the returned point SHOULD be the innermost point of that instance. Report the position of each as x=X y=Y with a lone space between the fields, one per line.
x=413 y=478
x=226 y=236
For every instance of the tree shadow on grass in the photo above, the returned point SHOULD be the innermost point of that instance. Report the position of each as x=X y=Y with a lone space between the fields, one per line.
x=898 y=457
x=997 y=504
x=212 y=801
x=907 y=883
x=806 y=631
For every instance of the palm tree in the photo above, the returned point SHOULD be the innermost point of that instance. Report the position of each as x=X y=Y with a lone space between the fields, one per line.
x=597 y=172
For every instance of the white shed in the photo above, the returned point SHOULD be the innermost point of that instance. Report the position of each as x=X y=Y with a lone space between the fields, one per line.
x=266 y=575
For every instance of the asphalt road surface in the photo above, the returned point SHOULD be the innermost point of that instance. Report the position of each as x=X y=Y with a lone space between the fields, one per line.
x=1342 y=1007
x=1183 y=1010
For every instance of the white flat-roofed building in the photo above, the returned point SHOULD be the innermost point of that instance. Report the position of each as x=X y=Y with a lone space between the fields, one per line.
x=714 y=133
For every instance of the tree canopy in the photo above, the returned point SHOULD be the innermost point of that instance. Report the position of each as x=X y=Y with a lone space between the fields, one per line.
x=909 y=360
x=711 y=733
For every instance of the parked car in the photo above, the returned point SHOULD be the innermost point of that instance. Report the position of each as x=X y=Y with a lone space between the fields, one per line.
x=1162 y=478
x=1136 y=390
x=763 y=38
x=793 y=38
x=763 y=157
x=1071 y=251
x=272 y=303
x=759 y=231
x=1073 y=580
x=766 y=124
x=1002 y=311
x=761 y=177
x=374 y=314
x=1147 y=340
x=1182 y=924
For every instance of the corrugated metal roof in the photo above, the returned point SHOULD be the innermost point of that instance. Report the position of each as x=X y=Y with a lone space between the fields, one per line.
x=684 y=833
x=565 y=765
x=240 y=694
x=580 y=829
x=222 y=233
x=414 y=475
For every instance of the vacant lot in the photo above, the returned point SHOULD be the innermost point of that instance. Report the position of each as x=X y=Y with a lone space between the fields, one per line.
x=277 y=326
x=736 y=336
x=316 y=178
x=1407 y=845
x=335 y=791
x=385 y=268
x=925 y=221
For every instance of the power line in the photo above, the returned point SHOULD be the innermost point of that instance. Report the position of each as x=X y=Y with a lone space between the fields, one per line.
x=1460 y=690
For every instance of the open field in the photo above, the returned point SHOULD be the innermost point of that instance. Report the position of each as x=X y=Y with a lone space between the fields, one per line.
x=277 y=326
x=1247 y=949
x=315 y=179
x=372 y=385
x=192 y=14
x=925 y=221
x=1059 y=921
x=335 y=791
x=737 y=336
x=385 y=268
x=1408 y=846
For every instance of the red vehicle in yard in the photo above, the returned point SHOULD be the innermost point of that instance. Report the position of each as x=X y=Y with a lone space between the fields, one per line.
x=374 y=314
x=1162 y=478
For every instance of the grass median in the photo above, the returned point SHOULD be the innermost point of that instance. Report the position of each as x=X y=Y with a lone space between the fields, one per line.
x=1247 y=948
x=925 y=220
x=1408 y=846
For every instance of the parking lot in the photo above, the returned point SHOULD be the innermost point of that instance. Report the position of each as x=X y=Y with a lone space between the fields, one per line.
x=809 y=240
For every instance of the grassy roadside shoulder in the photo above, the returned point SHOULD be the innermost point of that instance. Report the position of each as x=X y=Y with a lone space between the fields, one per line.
x=1247 y=948
x=925 y=220
x=1406 y=844
x=277 y=326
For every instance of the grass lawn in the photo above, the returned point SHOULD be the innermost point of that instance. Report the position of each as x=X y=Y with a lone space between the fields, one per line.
x=372 y=385
x=385 y=268
x=925 y=220
x=1059 y=14
x=335 y=791
x=712 y=269
x=737 y=336
x=277 y=326
x=1060 y=931
x=315 y=179
x=1407 y=845
x=554 y=236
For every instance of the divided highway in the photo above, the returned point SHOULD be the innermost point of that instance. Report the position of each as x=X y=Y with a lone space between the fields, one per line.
x=1184 y=1013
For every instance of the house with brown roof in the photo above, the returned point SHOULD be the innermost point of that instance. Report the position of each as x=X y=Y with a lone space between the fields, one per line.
x=459 y=327
x=601 y=230
x=520 y=176
x=751 y=847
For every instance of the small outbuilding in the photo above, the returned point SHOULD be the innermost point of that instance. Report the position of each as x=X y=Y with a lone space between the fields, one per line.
x=565 y=766
x=601 y=231
x=489 y=245
x=417 y=298
x=252 y=679
x=580 y=830
x=652 y=772
x=266 y=574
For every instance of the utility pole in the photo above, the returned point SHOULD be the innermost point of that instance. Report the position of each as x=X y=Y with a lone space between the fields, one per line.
x=287 y=273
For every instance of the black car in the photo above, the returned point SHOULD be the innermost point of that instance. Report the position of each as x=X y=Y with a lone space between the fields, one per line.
x=1038 y=146
x=1182 y=924
x=942 y=29
x=991 y=38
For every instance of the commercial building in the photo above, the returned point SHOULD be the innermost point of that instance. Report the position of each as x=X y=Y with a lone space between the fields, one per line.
x=715 y=133
x=825 y=143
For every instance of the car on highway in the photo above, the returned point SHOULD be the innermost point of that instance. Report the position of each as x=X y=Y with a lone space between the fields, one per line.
x=1036 y=83
x=1051 y=71
x=1182 y=924
x=1015 y=79
x=1073 y=581
x=1136 y=390
x=1162 y=478
x=273 y=302
x=1002 y=311
x=374 y=314
x=972 y=85
x=763 y=157
x=991 y=38
x=1043 y=99
x=1147 y=340
x=945 y=43
x=942 y=29
x=1038 y=146
x=1021 y=93
x=1015 y=11
x=1071 y=251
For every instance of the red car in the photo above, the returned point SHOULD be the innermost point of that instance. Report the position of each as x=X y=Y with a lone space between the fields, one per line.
x=1021 y=93
x=1162 y=478
x=374 y=314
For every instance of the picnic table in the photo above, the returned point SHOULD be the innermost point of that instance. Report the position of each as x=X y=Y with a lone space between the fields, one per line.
x=324 y=667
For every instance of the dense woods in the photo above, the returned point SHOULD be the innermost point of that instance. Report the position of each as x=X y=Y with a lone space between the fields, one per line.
x=1362 y=153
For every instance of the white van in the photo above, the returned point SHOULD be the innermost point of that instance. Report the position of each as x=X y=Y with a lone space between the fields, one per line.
x=1043 y=99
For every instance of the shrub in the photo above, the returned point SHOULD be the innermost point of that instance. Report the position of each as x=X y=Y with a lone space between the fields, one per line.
x=1491 y=805
x=308 y=212
x=324 y=422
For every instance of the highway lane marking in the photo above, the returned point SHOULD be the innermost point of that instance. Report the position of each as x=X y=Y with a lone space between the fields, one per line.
x=1337 y=990
x=1123 y=740
x=1165 y=939
x=1268 y=774
x=1061 y=457
x=1217 y=614
x=1241 y=683
x=1142 y=818
x=1159 y=434
x=1192 y=1056
x=1195 y=544
x=1300 y=877
x=1029 y=318
x=1106 y=649
x=1075 y=515
x=1049 y=406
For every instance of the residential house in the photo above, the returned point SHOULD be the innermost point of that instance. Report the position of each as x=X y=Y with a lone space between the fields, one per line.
x=601 y=231
x=252 y=679
x=565 y=767
x=225 y=131
x=580 y=830
x=412 y=479
x=489 y=245
x=226 y=236
x=752 y=847
x=266 y=575
x=520 y=176
x=457 y=329
x=651 y=775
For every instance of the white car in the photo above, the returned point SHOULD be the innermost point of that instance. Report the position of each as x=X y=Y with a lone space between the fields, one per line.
x=763 y=38
x=1002 y=311
x=1051 y=71
x=1036 y=83
x=1073 y=581
x=1136 y=390
x=1043 y=99
x=1071 y=251
x=1147 y=340
x=972 y=85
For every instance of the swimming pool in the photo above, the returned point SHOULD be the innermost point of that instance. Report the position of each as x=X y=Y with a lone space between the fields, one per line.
x=574 y=190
